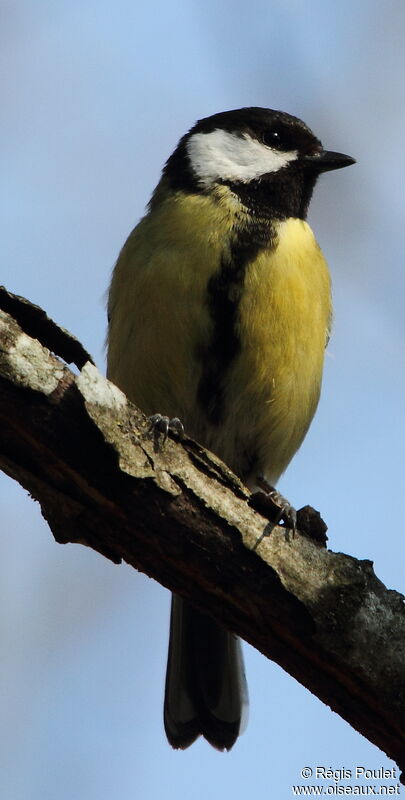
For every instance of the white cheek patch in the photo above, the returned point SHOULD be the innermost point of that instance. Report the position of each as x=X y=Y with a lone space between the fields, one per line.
x=221 y=155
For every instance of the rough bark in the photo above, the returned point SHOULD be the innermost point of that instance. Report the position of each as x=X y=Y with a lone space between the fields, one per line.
x=179 y=515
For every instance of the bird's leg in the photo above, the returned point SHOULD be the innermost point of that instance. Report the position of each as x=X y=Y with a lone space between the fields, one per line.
x=286 y=511
x=159 y=425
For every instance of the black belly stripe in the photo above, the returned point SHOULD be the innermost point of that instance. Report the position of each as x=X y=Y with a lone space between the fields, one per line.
x=224 y=291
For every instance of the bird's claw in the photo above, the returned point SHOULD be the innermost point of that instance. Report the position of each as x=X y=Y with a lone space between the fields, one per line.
x=287 y=512
x=283 y=511
x=160 y=425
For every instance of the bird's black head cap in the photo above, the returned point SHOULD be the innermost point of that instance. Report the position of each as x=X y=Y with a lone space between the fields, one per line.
x=276 y=159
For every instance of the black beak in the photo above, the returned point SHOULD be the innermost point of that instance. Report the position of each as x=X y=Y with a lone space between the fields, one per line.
x=326 y=160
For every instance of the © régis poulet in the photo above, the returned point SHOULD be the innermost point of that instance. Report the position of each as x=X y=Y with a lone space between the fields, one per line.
x=219 y=314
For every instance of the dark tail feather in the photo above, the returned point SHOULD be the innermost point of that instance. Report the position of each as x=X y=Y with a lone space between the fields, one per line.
x=206 y=690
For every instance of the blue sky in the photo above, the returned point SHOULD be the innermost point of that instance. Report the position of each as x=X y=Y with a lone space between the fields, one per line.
x=94 y=97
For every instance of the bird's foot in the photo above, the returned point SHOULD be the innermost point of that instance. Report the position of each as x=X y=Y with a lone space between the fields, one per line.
x=283 y=510
x=159 y=427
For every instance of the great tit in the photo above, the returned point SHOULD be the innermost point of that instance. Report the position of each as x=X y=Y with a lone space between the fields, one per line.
x=219 y=314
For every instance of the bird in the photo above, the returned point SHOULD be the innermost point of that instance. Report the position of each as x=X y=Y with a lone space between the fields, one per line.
x=219 y=313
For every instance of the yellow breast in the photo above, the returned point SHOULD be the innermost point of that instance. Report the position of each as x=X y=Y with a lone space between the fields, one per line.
x=285 y=316
x=159 y=318
x=161 y=324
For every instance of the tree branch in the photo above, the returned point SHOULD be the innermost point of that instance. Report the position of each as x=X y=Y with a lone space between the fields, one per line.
x=180 y=516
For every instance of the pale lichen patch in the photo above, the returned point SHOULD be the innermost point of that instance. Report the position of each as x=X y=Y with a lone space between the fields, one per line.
x=29 y=367
x=98 y=390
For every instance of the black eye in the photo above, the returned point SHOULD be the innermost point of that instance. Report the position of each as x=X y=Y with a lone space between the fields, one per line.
x=272 y=138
